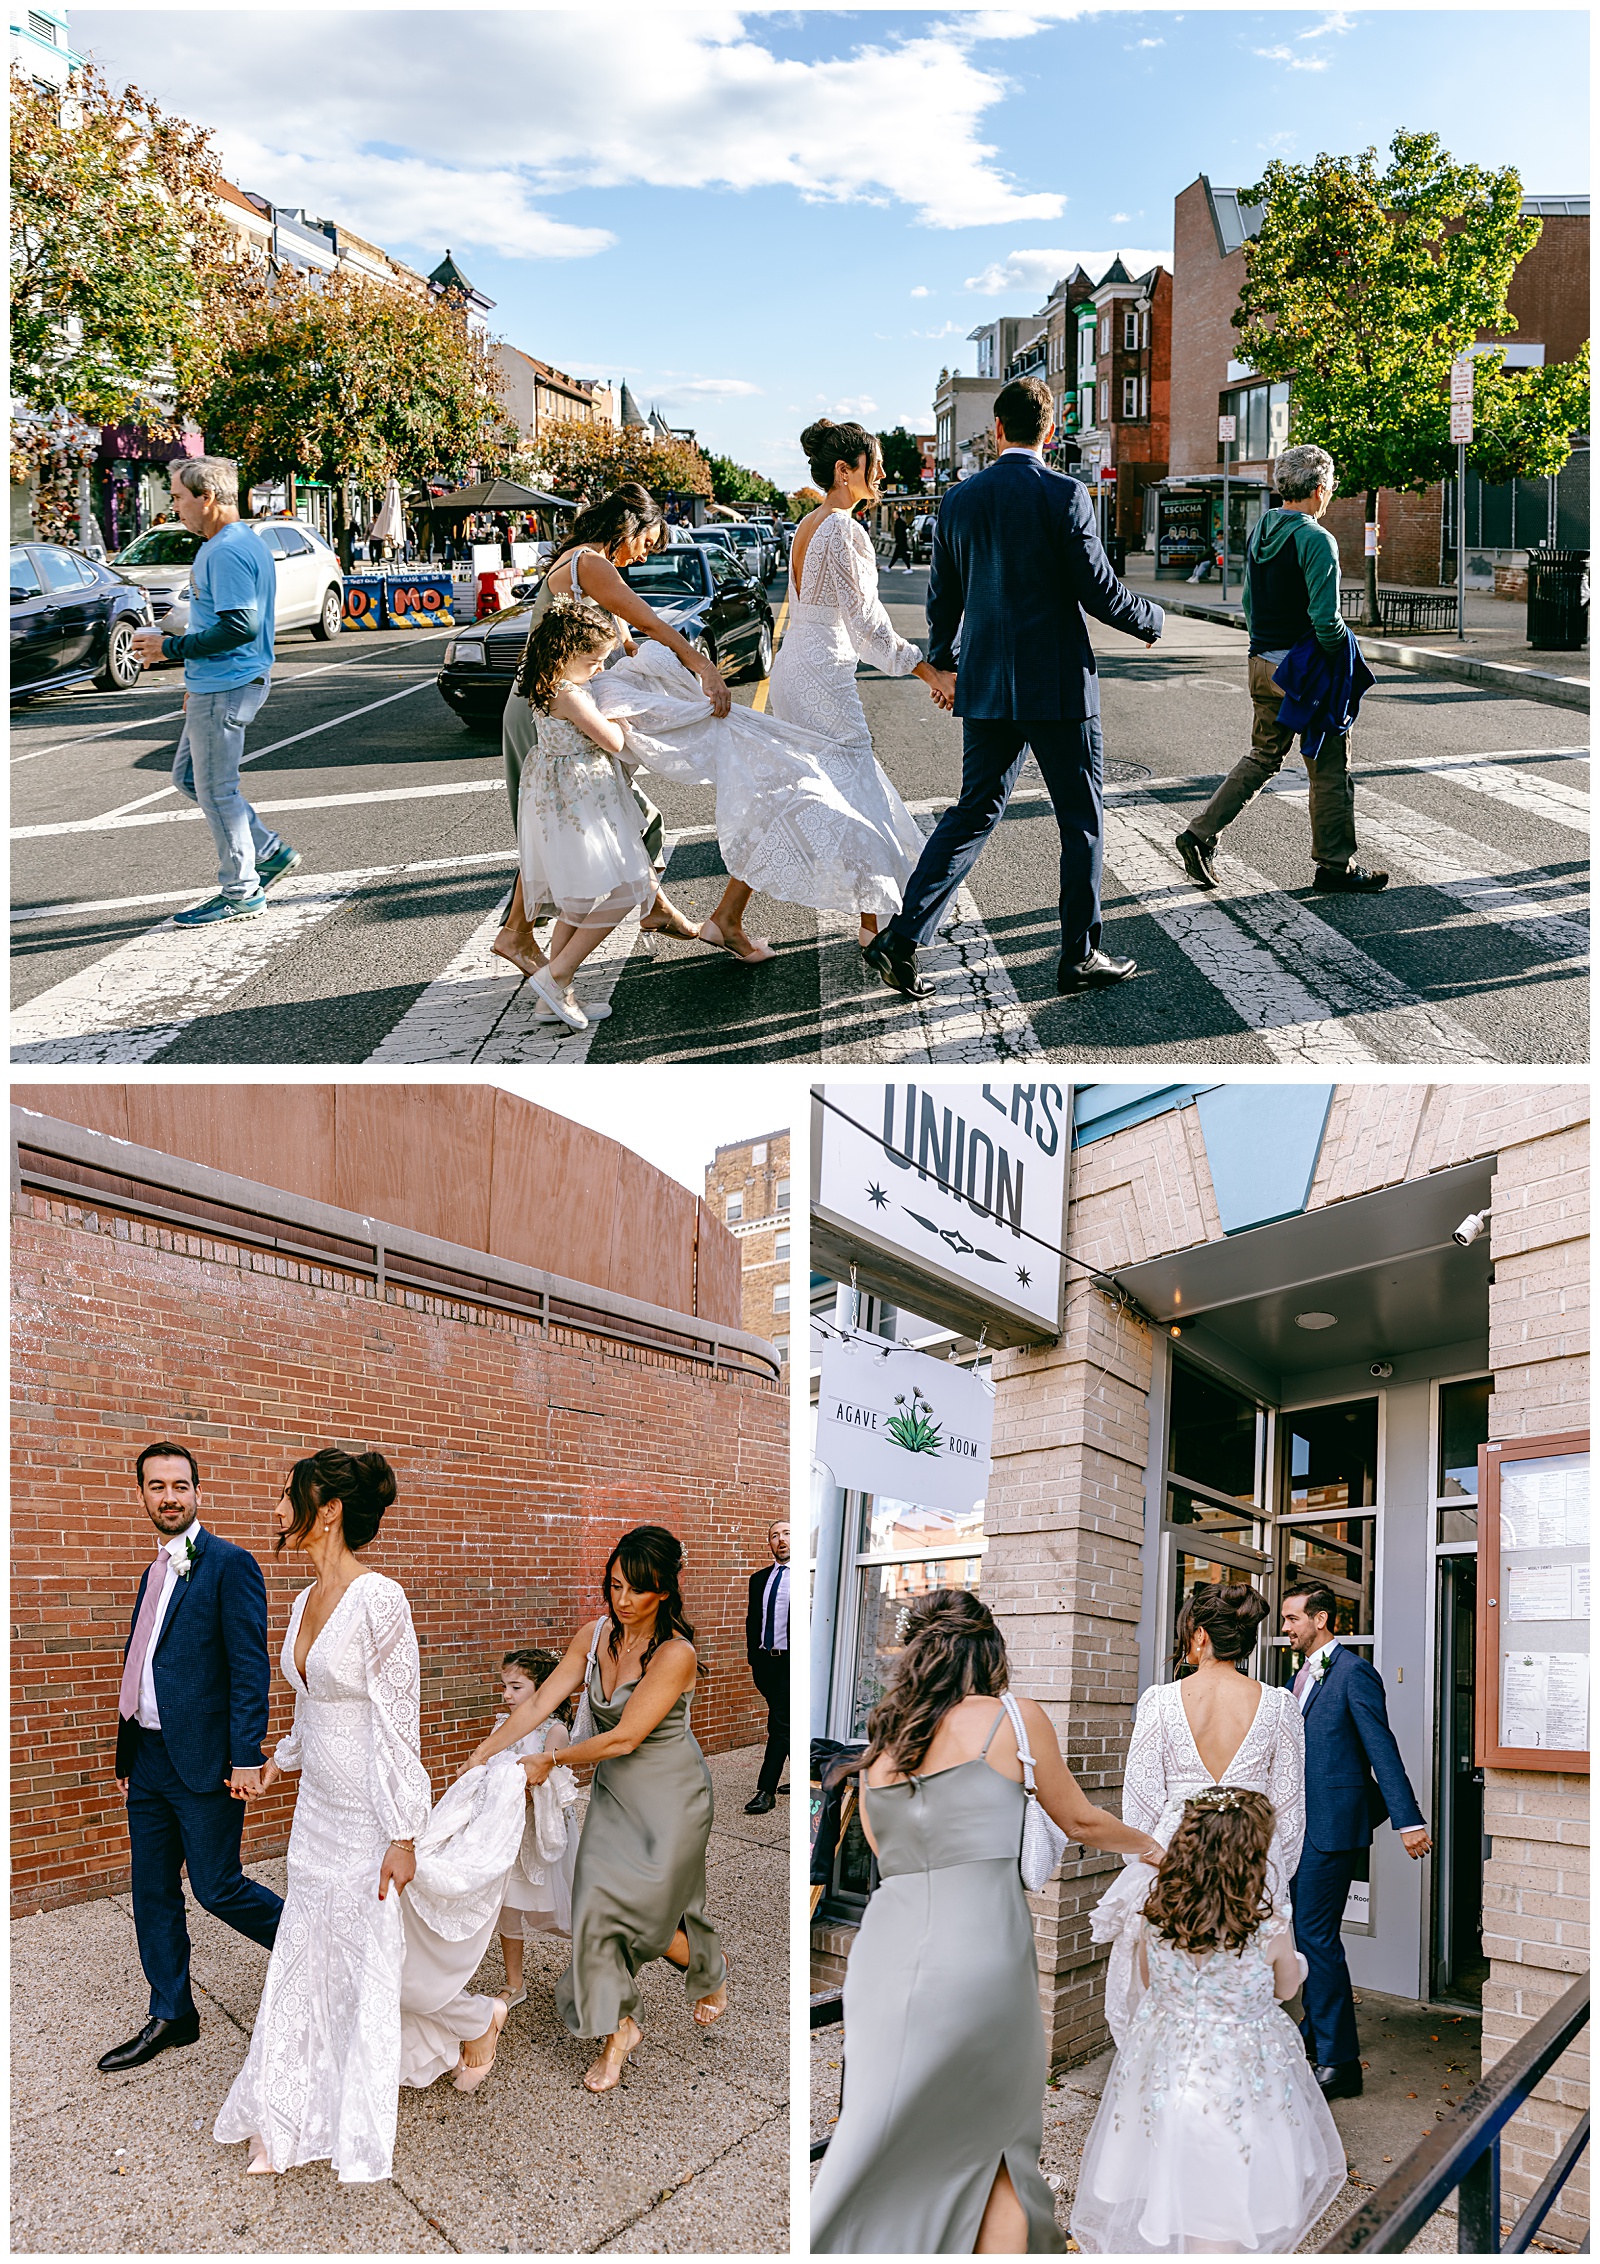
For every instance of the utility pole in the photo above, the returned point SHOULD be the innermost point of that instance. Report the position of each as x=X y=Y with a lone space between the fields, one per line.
x=1227 y=427
x=1461 y=433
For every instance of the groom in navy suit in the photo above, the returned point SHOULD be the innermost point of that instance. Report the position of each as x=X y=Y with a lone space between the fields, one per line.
x=1016 y=566
x=1354 y=1779
x=191 y=1715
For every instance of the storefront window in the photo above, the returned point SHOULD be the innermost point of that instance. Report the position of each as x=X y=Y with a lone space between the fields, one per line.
x=1185 y=1507
x=1212 y=1435
x=1463 y=1428
x=1338 y=1555
x=888 y=1592
x=1214 y=1511
x=1332 y=1456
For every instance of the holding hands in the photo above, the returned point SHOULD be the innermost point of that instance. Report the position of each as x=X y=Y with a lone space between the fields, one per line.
x=941 y=683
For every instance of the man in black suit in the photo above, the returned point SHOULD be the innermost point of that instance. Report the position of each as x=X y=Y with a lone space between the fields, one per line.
x=1355 y=1779
x=766 y=1642
x=192 y=1712
x=1016 y=566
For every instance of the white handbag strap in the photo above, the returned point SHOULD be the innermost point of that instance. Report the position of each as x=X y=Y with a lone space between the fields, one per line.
x=594 y=1649
x=1023 y=1754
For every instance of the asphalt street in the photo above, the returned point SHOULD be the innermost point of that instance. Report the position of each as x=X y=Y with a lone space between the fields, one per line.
x=377 y=949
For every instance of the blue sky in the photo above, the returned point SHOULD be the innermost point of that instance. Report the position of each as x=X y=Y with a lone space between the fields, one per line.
x=756 y=217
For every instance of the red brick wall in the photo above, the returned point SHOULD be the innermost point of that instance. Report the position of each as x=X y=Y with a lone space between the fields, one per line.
x=520 y=1458
x=1205 y=291
x=1408 y=537
x=1549 y=292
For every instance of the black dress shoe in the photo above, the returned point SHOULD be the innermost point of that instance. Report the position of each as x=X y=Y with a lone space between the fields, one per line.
x=1098 y=972
x=895 y=963
x=1196 y=855
x=761 y=1803
x=1342 y=2081
x=155 y=2036
x=1348 y=880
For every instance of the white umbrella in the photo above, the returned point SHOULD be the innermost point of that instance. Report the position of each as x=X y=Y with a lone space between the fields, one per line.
x=389 y=525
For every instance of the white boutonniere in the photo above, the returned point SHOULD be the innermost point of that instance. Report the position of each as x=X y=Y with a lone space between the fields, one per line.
x=1320 y=1669
x=184 y=1565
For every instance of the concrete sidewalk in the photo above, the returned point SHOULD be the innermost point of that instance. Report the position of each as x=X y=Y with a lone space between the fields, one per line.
x=690 y=2155
x=1416 y=2056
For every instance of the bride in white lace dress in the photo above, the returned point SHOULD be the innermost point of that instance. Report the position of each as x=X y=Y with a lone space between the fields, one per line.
x=1217 y=1726
x=365 y=1988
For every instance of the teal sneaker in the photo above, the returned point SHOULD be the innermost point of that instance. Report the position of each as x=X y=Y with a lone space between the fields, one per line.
x=219 y=908
x=283 y=860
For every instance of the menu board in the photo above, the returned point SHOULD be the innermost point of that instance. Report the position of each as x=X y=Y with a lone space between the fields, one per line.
x=1533 y=1587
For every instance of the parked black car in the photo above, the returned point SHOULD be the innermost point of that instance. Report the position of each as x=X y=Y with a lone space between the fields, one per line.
x=72 y=621
x=704 y=594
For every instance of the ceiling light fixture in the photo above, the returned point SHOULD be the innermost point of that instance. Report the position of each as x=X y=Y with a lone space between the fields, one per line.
x=1316 y=1320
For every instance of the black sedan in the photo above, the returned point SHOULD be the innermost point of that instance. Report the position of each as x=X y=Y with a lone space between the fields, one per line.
x=72 y=621
x=705 y=595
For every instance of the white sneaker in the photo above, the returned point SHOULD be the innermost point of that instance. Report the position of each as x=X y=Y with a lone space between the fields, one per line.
x=596 y=1012
x=563 y=1006
x=511 y=2003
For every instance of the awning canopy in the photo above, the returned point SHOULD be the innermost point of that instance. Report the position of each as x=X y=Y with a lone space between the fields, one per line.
x=1383 y=1265
x=498 y=495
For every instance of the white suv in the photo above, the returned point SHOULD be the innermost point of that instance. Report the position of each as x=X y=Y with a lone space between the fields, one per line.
x=310 y=583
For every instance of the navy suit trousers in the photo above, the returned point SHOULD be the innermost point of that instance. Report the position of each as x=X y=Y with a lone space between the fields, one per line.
x=170 y=1826
x=1069 y=756
x=1319 y=1891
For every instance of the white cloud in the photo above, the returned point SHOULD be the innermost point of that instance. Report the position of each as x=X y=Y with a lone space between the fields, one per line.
x=1138 y=43
x=709 y=387
x=1036 y=271
x=945 y=330
x=1294 y=61
x=1119 y=218
x=920 y=291
x=417 y=128
x=1338 y=21
x=860 y=405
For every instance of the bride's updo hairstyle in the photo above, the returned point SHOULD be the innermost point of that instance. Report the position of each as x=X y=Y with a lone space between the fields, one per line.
x=1228 y=1612
x=363 y=1484
x=1211 y=1890
x=627 y=510
x=953 y=1650
x=651 y=1560
x=827 y=444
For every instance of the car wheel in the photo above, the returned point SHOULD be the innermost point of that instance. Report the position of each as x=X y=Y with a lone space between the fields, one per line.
x=121 y=670
x=761 y=663
x=331 y=619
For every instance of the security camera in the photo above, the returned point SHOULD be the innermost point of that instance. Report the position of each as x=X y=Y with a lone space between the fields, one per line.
x=1470 y=1228
x=1381 y=1369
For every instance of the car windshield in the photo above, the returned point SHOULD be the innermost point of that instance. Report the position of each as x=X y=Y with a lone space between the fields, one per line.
x=160 y=546
x=669 y=574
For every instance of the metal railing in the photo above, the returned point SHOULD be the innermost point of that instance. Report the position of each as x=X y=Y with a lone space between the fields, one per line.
x=1462 y=2154
x=1416 y=610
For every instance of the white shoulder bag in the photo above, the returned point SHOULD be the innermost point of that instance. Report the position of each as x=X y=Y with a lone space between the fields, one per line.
x=1044 y=1843
x=583 y=1719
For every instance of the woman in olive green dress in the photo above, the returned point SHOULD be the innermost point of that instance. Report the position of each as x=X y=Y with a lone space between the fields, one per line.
x=936 y=2150
x=639 y=1883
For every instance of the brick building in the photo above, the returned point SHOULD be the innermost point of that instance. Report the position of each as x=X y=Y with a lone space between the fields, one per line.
x=537 y=395
x=1128 y=392
x=1549 y=296
x=747 y=1187
x=1284 y=1276
x=539 y=1330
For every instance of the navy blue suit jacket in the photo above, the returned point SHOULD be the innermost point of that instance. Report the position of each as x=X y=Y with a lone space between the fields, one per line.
x=1016 y=566
x=1354 y=1774
x=211 y=1670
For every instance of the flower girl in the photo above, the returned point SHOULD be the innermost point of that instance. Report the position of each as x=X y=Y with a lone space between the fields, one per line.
x=580 y=834
x=1212 y=2136
x=538 y=1896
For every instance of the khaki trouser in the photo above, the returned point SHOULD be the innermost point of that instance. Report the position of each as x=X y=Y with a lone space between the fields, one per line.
x=1333 y=794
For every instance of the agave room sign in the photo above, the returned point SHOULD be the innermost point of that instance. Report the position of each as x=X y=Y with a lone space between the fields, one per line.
x=896 y=1423
x=950 y=1199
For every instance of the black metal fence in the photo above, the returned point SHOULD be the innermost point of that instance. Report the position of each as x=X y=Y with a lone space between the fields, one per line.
x=1401 y=609
x=1462 y=2154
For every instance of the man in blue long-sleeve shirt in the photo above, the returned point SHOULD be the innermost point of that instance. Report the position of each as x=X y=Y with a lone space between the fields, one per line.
x=227 y=672
x=1291 y=591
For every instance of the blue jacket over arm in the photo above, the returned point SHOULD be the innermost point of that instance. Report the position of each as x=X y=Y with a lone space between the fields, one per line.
x=1017 y=565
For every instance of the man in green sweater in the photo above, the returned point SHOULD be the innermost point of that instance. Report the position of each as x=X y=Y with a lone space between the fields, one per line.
x=1291 y=590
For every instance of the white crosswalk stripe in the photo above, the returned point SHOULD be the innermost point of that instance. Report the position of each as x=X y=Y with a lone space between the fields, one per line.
x=477 y=1010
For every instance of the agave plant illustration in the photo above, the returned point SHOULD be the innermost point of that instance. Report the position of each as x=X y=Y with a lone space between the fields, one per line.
x=915 y=1428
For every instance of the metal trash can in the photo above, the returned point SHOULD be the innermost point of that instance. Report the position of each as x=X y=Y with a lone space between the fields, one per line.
x=1558 y=600
x=1117 y=552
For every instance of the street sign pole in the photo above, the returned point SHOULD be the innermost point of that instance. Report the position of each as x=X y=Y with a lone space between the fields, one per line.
x=1461 y=433
x=1226 y=428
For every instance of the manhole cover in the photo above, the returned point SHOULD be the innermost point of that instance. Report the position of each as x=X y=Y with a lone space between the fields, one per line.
x=1125 y=774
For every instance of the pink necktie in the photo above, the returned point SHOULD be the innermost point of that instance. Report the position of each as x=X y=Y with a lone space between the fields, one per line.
x=144 y=1626
x=1301 y=1679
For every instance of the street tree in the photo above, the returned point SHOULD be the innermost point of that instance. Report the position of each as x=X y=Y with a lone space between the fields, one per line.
x=737 y=483
x=902 y=458
x=575 y=458
x=120 y=256
x=1364 y=285
x=353 y=382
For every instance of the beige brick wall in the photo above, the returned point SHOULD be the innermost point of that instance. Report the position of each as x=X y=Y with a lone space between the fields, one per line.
x=1536 y=1886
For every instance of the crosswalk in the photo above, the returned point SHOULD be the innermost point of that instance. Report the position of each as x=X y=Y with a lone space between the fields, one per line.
x=1282 y=973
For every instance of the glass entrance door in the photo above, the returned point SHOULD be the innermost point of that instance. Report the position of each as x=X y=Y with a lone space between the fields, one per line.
x=1459 y=1965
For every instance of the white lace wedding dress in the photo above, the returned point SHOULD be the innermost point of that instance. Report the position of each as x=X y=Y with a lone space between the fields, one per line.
x=804 y=811
x=1164 y=1770
x=362 y=1995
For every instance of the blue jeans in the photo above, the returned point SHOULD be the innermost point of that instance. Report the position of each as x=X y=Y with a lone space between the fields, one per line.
x=1069 y=757
x=170 y=1826
x=206 y=769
